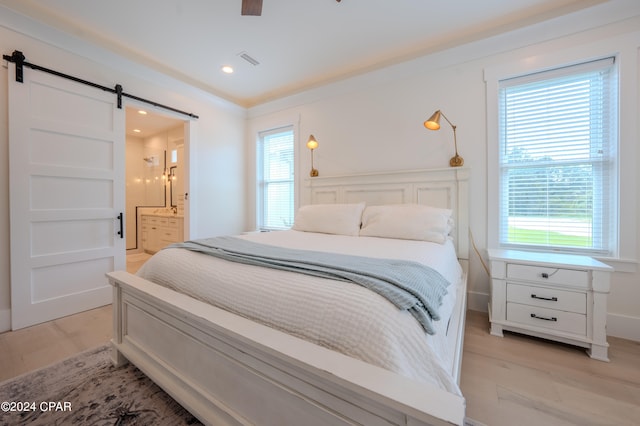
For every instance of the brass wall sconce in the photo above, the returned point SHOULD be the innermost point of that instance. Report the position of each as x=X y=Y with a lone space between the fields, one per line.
x=312 y=144
x=433 y=123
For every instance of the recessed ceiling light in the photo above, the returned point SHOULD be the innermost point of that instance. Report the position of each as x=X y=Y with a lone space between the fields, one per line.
x=137 y=130
x=142 y=112
x=227 y=69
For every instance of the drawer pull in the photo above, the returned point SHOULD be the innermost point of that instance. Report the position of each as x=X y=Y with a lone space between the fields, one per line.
x=552 y=299
x=546 y=275
x=544 y=318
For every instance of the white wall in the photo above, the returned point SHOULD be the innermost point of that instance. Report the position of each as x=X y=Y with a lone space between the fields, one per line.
x=216 y=152
x=374 y=122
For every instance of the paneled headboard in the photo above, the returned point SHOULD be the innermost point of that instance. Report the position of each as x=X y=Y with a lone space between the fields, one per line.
x=445 y=188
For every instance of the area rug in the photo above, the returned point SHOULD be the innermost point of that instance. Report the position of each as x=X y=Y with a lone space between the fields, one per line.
x=88 y=390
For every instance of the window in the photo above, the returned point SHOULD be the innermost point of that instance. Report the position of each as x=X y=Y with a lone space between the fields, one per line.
x=558 y=159
x=276 y=178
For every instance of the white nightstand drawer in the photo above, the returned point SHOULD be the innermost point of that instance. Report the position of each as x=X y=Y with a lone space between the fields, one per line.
x=548 y=275
x=569 y=322
x=545 y=297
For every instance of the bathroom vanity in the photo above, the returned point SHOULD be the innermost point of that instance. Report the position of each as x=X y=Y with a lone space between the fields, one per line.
x=160 y=230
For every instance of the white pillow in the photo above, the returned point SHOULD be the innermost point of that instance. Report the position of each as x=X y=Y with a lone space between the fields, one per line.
x=341 y=219
x=407 y=222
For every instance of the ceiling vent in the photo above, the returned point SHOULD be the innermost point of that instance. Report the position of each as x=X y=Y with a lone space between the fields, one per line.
x=246 y=57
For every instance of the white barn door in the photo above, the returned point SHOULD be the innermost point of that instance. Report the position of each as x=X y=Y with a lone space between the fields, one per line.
x=66 y=154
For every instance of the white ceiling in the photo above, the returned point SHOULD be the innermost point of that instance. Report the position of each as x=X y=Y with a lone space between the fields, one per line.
x=298 y=44
x=149 y=124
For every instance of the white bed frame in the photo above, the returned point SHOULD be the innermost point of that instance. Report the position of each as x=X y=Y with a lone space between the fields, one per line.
x=226 y=369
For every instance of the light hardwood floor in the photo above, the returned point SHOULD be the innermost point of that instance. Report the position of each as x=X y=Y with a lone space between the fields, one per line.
x=34 y=347
x=510 y=381
x=40 y=345
x=520 y=380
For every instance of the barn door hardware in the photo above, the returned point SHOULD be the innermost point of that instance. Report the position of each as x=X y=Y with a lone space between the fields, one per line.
x=19 y=59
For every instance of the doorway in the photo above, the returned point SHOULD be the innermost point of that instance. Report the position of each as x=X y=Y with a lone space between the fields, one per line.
x=155 y=183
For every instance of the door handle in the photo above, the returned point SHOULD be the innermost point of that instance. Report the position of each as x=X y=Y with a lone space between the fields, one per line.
x=121 y=231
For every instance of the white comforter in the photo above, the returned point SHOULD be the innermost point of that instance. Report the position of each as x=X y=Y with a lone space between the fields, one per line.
x=341 y=316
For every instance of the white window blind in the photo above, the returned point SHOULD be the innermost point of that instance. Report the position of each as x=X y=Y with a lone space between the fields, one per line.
x=558 y=159
x=276 y=178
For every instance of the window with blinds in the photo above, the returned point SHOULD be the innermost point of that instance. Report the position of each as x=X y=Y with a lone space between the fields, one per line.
x=558 y=159
x=276 y=179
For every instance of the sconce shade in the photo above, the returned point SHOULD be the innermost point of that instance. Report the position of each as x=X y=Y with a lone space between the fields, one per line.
x=433 y=123
x=312 y=143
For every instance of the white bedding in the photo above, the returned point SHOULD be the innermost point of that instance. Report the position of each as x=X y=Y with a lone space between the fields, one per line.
x=341 y=316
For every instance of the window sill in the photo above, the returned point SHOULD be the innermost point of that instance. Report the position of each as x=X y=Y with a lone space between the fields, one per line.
x=620 y=265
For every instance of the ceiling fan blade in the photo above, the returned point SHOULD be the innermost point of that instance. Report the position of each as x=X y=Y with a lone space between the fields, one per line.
x=252 y=7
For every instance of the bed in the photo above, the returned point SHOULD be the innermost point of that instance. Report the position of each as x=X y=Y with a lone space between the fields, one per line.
x=227 y=366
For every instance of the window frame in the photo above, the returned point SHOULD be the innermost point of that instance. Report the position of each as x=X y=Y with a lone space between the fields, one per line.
x=260 y=181
x=493 y=77
x=604 y=207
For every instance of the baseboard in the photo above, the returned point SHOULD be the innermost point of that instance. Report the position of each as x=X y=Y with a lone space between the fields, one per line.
x=471 y=422
x=5 y=320
x=623 y=326
x=477 y=301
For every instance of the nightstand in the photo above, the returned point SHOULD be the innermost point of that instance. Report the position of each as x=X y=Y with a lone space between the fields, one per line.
x=553 y=296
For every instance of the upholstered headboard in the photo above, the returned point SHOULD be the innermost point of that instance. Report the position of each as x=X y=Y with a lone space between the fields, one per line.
x=445 y=188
